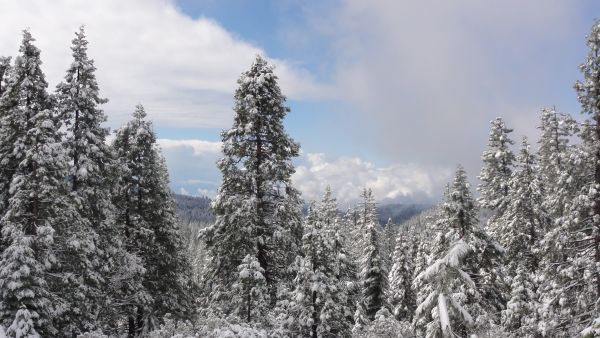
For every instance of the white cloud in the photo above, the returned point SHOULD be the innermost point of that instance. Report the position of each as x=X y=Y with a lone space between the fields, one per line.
x=199 y=147
x=183 y=70
x=348 y=176
x=426 y=76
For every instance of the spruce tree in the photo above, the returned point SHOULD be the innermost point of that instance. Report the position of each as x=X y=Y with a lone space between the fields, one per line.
x=257 y=208
x=146 y=208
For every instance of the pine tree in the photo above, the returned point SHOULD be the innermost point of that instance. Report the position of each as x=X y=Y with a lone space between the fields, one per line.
x=146 y=208
x=24 y=94
x=578 y=274
x=497 y=167
x=522 y=224
x=35 y=194
x=22 y=326
x=481 y=261
x=520 y=317
x=444 y=312
x=251 y=301
x=92 y=246
x=373 y=277
x=319 y=302
x=257 y=209
x=554 y=152
x=402 y=297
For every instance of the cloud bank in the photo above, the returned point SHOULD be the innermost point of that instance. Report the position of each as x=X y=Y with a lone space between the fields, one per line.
x=183 y=70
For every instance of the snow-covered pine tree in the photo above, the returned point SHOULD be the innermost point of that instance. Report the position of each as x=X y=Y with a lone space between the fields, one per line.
x=319 y=301
x=4 y=72
x=521 y=227
x=25 y=90
x=458 y=222
x=22 y=326
x=522 y=224
x=389 y=242
x=251 y=296
x=402 y=296
x=92 y=247
x=342 y=262
x=38 y=204
x=581 y=270
x=562 y=281
x=554 y=151
x=497 y=166
x=444 y=312
x=257 y=209
x=146 y=208
x=373 y=277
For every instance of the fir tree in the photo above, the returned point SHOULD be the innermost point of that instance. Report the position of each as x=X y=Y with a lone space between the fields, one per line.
x=146 y=208
x=257 y=209
x=373 y=277
x=554 y=152
x=320 y=299
x=92 y=244
x=522 y=224
x=34 y=195
x=481 y=261
x=24 y=95
x=497 y=167
x=402 y=297
x=251 y=301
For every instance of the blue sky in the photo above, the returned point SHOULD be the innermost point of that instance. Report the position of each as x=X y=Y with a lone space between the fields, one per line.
x=386 y=94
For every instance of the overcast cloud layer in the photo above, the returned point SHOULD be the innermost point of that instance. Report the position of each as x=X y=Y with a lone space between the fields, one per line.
x=428 y=76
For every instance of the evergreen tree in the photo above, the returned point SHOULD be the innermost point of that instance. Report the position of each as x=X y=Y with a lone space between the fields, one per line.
x=481 y=261
x=4 y=72
x=257 y=209
x=38 y=204
x=92 y=246
x=521 y=227
x=554 y=152
x=373 y=277
x=445 y=312
x=402 y=297
x=497 y=166
x=23 y=95
x=522 y=224
x=251 y=301
x=34 y=195
x=146 y=208
x=320 y=298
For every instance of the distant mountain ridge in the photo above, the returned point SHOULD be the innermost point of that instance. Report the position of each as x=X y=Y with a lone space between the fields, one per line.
x=195 y=209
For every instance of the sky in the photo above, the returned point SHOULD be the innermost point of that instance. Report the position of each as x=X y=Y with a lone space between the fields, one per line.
x=390 y=95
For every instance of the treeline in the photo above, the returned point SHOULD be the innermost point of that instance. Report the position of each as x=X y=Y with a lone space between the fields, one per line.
x=530 y=270
x=90 y=244
x=89 y=239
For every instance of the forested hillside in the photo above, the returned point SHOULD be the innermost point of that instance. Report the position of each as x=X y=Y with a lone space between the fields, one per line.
x=94 y=243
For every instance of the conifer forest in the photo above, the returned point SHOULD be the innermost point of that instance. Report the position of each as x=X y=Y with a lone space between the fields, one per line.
x=91 y=245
